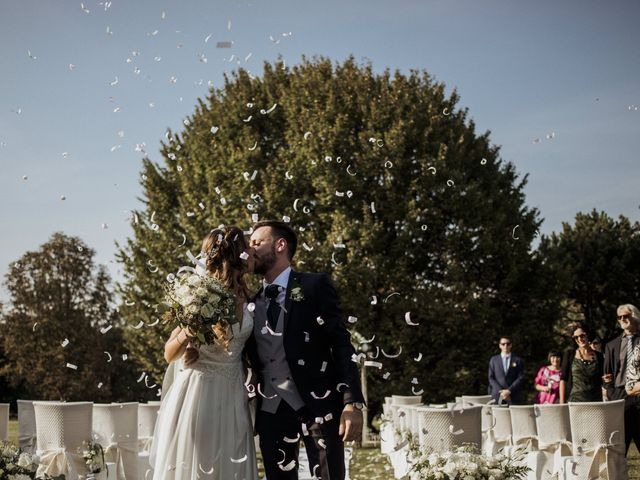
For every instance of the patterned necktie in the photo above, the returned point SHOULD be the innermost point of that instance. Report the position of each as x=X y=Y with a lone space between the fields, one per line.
x=273 y=310
x=630 y=339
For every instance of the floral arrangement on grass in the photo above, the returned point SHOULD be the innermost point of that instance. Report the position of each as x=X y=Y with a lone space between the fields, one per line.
x=465 y=463
x=16 y=464
x=202 y=304
x=93 y=456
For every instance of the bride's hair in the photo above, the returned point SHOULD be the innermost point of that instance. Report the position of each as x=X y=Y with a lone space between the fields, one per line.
x=221 y=249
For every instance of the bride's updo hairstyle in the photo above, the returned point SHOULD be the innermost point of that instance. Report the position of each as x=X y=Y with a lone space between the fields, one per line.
x=221 y=250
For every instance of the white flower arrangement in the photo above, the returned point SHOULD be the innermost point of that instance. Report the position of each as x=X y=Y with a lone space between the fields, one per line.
x=204 y=305
x=16 y=464
x=465 y=463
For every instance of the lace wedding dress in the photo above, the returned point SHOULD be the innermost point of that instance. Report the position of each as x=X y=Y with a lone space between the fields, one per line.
x=204 y=429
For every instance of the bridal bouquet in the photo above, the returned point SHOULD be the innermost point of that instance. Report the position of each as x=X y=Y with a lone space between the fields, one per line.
x=16 y=464
x=464 y=463
x=204 y=305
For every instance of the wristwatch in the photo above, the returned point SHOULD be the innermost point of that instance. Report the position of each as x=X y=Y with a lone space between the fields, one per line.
x=358 y=405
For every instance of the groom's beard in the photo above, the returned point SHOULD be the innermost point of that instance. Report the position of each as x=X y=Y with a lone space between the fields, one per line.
x=266 y=262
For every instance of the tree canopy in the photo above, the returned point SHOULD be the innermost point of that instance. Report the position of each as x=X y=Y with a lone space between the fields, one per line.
x=596 y=265
x=61 y=334
x=390 y=189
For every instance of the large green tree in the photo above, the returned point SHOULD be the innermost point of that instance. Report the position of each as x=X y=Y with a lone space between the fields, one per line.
x=61 y=333
x=391 y=190
x=596 y=265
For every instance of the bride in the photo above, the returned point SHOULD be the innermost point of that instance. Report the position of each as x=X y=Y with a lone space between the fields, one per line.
x=204 y=429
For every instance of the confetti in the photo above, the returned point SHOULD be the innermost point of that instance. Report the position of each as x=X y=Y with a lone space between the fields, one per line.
x=320 y=321
x=352 y=319
x=418 y=358
x=109 y=356
x=369 y=363
x=483 y=161
x=453 y=431
x=292 y=440
x=392 y=355
x=321 y=397
x=407 y=318
x=72 y=366
x=513 y=233
x=65 y=342
x=239 y=460
x=104 y=330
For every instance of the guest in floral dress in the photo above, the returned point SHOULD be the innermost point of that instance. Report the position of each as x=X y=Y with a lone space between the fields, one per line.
x=547 y=381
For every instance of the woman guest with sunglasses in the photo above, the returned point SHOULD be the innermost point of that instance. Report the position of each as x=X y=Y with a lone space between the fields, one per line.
x=582 y=368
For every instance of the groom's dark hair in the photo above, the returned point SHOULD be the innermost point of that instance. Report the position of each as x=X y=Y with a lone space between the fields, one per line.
x=281 y=230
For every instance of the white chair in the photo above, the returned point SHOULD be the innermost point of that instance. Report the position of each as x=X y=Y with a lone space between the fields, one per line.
x=554 y=439
x=499 y=435
x=147 y=416
x=115 y=426
x=4 y=421
x=441 y=430
x=597 y=430
x=524 y=432
x=476 y=399
x=61 y=429
x=413 y=420
x=387 y=433
x=26 y=426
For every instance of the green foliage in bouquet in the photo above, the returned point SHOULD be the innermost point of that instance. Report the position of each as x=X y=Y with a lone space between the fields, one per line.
x=202 y=304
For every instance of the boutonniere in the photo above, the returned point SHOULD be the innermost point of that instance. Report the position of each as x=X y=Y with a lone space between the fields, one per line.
x=297 y=294
x=514 y=364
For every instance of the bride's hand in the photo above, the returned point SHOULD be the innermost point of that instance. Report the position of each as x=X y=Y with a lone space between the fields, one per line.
x=190 y=355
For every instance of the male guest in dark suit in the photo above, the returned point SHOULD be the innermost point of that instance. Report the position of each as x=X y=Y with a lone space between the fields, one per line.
x=309 y=384
x=617 y=353
x=506 y=372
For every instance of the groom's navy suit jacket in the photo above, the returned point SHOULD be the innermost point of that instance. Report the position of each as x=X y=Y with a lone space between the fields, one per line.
x=317 y=345
x=512 y=380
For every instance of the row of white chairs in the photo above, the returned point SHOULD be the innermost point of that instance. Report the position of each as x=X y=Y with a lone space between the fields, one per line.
x=56 y=431
x=574 y=441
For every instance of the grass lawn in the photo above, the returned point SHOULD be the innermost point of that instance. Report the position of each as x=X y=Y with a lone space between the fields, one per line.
x=369 y=464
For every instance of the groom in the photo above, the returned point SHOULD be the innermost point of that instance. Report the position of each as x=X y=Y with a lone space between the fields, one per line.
x=309 y=385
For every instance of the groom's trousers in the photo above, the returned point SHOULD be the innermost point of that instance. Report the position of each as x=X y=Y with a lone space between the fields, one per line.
x=278 y=432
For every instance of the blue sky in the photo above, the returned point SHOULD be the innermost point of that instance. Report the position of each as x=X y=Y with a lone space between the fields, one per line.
x=81 y=88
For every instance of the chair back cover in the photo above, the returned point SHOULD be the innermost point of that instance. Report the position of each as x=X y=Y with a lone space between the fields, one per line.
x=406 y=400
x=597 y=430
x=4 y=421
x=523 y=427
x=502 y=424
x=476 y=399
x=115 y=427
x=442 y=429
x=26 y=426
x=147 y=416
x=61 y=429
x=553 y=424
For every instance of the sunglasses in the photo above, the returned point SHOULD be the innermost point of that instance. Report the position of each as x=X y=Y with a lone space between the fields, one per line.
x=505 y=343
x=582 y=335
x=626 y=316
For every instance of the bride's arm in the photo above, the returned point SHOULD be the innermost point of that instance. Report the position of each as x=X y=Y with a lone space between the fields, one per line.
x=176 y=345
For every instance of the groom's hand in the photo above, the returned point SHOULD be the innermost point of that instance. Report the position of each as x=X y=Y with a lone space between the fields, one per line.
x=350 y=424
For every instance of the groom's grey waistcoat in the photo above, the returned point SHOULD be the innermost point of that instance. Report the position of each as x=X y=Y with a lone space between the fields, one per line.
x=276 y=374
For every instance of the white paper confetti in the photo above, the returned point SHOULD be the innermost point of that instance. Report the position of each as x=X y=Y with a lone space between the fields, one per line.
x=72 y=366
x=65 y=342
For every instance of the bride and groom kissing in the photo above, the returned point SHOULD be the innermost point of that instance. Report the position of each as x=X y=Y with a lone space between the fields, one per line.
x=292 y=335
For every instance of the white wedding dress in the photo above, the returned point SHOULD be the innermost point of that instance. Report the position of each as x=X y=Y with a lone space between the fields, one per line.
x=204 y=429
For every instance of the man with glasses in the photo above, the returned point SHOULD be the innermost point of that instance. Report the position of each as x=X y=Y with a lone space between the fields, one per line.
x=506 y=372
x=618 y=358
